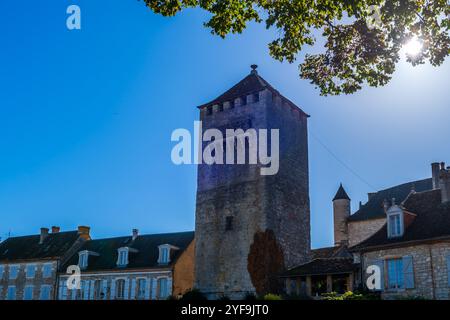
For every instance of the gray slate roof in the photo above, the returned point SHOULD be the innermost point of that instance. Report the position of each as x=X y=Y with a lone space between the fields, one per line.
x=252 y=83
x=432 y=221
x=146 y=246
x=341 y=194
x=55 y=245
x=373 y=209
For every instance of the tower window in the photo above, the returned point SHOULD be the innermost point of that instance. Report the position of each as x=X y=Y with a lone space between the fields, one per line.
x=231 y=104
x=228 y=223
x=221 y=107
x=209 y=111
x=244 y=100
x=256 y=97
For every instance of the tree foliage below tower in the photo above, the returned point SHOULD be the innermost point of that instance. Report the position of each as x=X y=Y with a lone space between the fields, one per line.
x=265 y=262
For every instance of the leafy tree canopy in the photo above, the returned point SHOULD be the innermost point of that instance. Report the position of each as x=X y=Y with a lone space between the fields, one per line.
x=363 y=37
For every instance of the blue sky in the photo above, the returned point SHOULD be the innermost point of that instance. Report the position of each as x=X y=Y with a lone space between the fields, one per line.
x=86 y=118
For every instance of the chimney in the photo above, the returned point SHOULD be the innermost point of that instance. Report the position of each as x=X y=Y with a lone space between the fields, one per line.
x=44 y=234
x=83 y=231
x=55 y=229
x=385 y=205
x=444 y=182
x=135 y=234
x=435 y=174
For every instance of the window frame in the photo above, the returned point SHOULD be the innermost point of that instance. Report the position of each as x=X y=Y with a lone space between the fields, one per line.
x=28 y=286
x=83 y=259
x=44 y=273
x=120 y=294
x=27 y=268
x=97 y=289
x=8 y=295
x=399 y=282
x=141 y=289
x=163 y=294
x=164 y=254
x=47 y=291
x=16 y=267
x=122 y=257
x=395 y=223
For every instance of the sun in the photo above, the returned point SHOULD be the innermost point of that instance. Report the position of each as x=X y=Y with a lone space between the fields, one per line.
x=413 y=46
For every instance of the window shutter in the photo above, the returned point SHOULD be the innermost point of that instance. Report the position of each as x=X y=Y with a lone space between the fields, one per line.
x=126 y=289
x=154 y=288
x=133 y=289
x=86 y=290
x=60 y=290
x=169 y=286
x=408 y=272
x=147 y=288
x=105 y=289
x=64 y=290
x=91 y=290
x=112 y=294
x=380 y=264
x=448 y=270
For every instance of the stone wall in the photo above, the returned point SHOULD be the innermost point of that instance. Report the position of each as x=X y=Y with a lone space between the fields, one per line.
x=256 y=203
x=107 y=283
x=22 y=281
x=183 y=271
x=429 y=266
x=361 y=230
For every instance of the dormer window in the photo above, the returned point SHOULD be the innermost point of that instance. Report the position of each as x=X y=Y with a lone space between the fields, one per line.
x=395 y=221
x=164 y=253
x=83 y=257
x=122 y=258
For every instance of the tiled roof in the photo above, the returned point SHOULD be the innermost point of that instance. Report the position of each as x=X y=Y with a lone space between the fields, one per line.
x=323 y=266
x=55 y=245
x=250 y=84
x=341 y=194
x=373 y=209
x=146 y=246
x=331 y=252
x=432 y=221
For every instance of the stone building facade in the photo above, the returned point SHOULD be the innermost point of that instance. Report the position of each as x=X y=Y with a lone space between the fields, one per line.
x=361 y=230
x=412 y=249
x=240 y=211
x=136 y=267
x=29 y=265
x=404 y=230
x=430 y=263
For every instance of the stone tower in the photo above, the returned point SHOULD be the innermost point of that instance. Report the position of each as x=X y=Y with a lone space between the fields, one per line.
x=341 y=212
x=250 y=226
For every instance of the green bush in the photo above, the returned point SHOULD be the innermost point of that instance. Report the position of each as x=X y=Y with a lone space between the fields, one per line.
x=349 y=296
x=271 y=296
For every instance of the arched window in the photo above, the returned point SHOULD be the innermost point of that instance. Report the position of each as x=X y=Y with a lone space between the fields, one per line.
x=120 y=289
x=163 y=288
x=97 y=290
